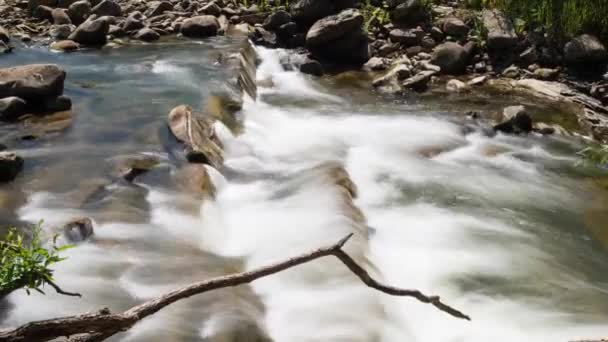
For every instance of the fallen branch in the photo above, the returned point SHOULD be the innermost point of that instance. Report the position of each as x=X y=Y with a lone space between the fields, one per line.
x=93 y=327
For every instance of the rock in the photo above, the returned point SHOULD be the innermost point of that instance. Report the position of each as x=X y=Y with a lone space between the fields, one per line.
x=194 y=178
x=200 y=27
x=33 y=83
x=451 y=57
x=5 y=48
x=528 y=56
x=500 y=31
x=57 y=104
x=262 y=37
x=478 y=80
x=286 y=31
x=455 y=27
x=397 y=73
x=585 y=51
x=134 y=22
x=428 y=43
x=516 y=121
x=198 y=135
x=61 y=17
x=276 y=20
x=43 y=13
x=10 y=166
x=129 y=167
x=387 y=49
x=11 y=108
x=410 y=13
x=309 y=11
x=339 y=38
x=65 y=3
x=405 y=37
x=62 y=32
x=65 y=46
x=212 y=9
x=78 y=230
x=511 y=72
x=455 y=86
x=91 y=32
x=107 y=8
x=376 y=64
x=420 y=81
x=33 y=4
x=546 y=73
x=4 y=36
x=147 y=35
x=437 y=34
x=79 y=11
x=311 y=67
x=157 y=8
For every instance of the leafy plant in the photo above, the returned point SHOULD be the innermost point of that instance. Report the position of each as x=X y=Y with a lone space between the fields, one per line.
x=595 y=155
x=375 y=15
x=27 y=264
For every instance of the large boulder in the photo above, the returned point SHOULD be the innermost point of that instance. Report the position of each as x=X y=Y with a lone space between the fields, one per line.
x=339 y=38
x=10 y=166
x=33 y=83
x=91 y=32
x=107 y=7
x=60 y=16
x=276 y=20
x=309 y=11
x=451 y=57
x=33 y=4
x=198 y=136
x=409 y=12
x=585 y=50
x=11 y=108
x=79 y=11
x=200 y=27
x=500 y=30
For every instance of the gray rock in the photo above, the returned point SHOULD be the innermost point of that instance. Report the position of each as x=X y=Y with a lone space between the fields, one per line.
x=43 y=13
x=33 y=4
x=79 y=11
x=455 y=27
x=528 y=56
x=212 y=9
x=107 y=7
x=65 y=45
x=157 y=8
x=61 y=17
x=517 y=120
x=200 y=27
x=376 y=64
x=451 y=57
x=501 y=33
x=585 y=50
x=11 y=108
x=339 y=38
x=420 y=81
x=410 y=13
x=405 y=37
x=147 y=35
x=511 y=72
x=546 y=73
x=276 y=20
x=91 y=32
x=78 y=230
x=311 y=67
x=32 y=83
x=62 y=32
x=133 y=22
x=4 y=36
x=10 y=166
x=58 y=104
x=309 y=11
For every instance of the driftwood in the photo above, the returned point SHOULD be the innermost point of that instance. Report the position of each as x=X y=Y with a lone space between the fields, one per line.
x=98 y=326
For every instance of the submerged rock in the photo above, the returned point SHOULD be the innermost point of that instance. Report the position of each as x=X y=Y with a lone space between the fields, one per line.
x=10 y=166
x=517 y=120
x=78 y=230
x=65 y=46
x=194 y=178
x=198 y=134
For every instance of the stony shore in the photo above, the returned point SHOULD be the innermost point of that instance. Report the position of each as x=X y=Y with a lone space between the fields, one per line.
x=407 y=47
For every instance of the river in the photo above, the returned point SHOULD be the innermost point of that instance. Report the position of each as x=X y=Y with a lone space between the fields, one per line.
x=506 y=228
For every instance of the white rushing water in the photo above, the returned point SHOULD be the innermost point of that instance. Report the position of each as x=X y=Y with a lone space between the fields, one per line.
x=448 y=213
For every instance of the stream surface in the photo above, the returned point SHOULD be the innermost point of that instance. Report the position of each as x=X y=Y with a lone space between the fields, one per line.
x=508 y=229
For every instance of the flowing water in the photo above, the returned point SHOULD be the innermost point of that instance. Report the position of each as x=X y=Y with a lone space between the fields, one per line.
x=505 y=228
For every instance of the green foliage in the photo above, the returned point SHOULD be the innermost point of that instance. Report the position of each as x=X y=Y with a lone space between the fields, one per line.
x=375 y=15
x=595 y=155
x=562 y=19
x=27 y=264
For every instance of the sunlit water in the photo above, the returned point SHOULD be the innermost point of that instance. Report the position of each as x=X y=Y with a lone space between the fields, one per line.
x=498 y=226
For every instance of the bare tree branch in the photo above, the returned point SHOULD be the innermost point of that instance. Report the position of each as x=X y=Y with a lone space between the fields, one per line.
x=93 y=327
x=61 y=291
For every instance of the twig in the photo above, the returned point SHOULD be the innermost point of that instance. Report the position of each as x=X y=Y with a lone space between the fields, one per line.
x=93 y=327
x=61 y=291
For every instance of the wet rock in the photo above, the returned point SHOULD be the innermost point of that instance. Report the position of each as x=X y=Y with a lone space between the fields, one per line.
x=5 y=48
x=376 y=64
x=91 y=32
x=79 y=11
x=39 y=126
x=194 y=178
x=200 y=27
x=478 y=80
x=107 y=8
x=277 y=19
x=32 y=82
x=409 y=13
x=455 y=27
x=455 y=86
x=33 y=4
x=511 y=72
x=11 y=108
x=546 y=73
x=528 y=56
x=62 y=32
x=134 y=22
x=451 y=57
x=339 y=38
x=420 y=81
x=130 y=166
x=157 y=8
x=500 y=31
x=516 y=120
x=212 y=9
x=4 y=36
x=262 y=37
x=10 y=166
x=147 y=35
x=198 y=135
x=43 y=13
x=116 y=31
x=585 y=51
x=391 y=79
x=311 y=67
x=58 y=104
x=78 y=230
x=61 y=17
x=437 y=34
x=65 y=46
